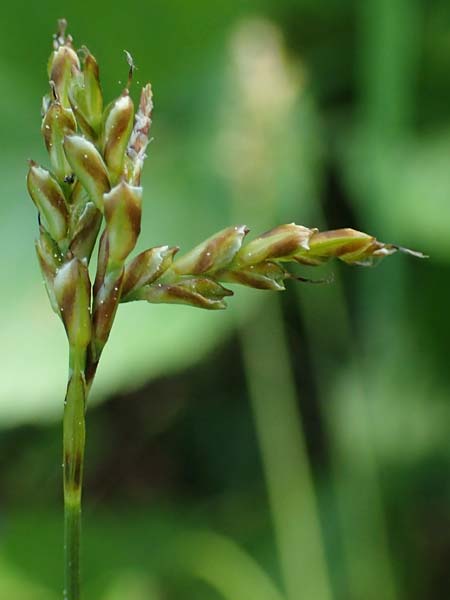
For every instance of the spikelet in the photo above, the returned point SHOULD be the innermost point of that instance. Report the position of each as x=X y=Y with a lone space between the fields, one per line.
x=96 y=157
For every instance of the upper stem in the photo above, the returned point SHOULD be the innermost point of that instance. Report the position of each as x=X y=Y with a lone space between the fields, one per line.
x=73 y=457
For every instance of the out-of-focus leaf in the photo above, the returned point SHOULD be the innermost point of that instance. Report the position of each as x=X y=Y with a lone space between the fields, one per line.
x=404 y=188
x=132 y=586
x=15 y=586
x=139 y=548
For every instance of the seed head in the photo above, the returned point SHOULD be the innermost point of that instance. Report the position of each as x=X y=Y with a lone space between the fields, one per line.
x=49 y=200
x=106 y=301
x=64 y=64
x=350 y=246
x=85 y=232
x=278 y=243
x=50 y=260
x=73 y=294
x=212 y=255
x=88 y=165
x=263 y=276
x=56 y=124
x=147 y=267
x=86 y=96
x=139 y=139
x=200 y=292
x=123 y=206
x=96 y=159
x=117 y=130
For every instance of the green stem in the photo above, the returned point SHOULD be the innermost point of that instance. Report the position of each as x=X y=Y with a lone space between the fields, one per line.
x=72 y=538
x=73 y=446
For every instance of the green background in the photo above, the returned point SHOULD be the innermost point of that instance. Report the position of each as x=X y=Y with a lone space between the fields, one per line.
x=296 y=445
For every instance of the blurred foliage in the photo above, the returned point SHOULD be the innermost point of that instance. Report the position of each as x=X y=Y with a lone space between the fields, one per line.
x=172 y=454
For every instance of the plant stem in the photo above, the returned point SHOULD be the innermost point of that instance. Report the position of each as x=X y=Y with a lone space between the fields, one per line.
x=72 y=535
x=73 y=445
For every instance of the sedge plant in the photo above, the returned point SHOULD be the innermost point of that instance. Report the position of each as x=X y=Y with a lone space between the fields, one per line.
x=91 y=190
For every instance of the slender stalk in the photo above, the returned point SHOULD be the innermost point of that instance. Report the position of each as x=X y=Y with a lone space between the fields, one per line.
x=72 y=538
x=286 y=463
x=74 y=435
x=354 y=467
